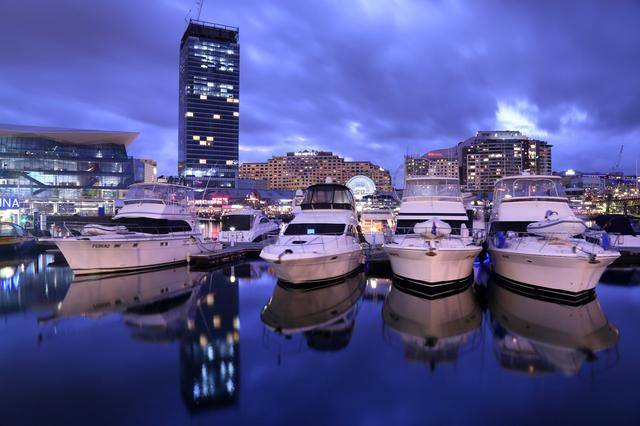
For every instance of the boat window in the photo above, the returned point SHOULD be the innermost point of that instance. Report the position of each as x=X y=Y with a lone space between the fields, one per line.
x=432 y=188
x=7 y=230
x=264 y=220
x=236 y=222
x=314 y=229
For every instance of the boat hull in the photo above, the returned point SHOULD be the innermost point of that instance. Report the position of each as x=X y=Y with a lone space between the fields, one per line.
x=563 y=274
x=314 y=269
x=87 y=256
x=438 y=267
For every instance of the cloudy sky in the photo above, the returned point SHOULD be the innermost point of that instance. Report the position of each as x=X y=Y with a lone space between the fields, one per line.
x=369 y=79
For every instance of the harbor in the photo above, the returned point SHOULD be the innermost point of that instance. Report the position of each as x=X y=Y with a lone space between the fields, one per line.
x=319 y=213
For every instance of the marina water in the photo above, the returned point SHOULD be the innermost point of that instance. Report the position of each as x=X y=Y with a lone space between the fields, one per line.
x=178 y=346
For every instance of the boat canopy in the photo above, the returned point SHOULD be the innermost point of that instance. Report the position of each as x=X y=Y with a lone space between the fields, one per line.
x=618 y=224
x=528 y=187
x=328 y=196
x=431 y=186
x=168 y=194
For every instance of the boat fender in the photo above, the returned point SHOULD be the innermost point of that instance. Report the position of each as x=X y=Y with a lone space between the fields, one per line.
x=605 y=241
x=464 y=231
x=499 y=239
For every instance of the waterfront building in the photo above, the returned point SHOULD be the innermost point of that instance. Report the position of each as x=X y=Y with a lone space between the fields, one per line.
x=491 y=155
x=209 y=104
x=298 y=170
x=439 y=162
x=145 y=170
x=62 y=171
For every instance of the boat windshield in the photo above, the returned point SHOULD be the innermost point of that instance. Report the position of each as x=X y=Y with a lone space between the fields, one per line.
x=432 y=188
x=167 y=193
x=236 y=222
x=528 y=187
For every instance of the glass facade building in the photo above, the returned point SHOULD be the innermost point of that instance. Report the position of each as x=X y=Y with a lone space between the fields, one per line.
x=209 y=110
x=57 y=170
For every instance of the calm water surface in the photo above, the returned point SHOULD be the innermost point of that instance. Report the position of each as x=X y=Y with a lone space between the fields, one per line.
x=231 y=346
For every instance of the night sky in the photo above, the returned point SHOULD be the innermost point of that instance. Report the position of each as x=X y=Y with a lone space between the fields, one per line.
x=368 y=79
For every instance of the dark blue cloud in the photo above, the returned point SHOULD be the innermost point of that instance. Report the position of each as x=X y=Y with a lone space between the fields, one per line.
x=370 y=80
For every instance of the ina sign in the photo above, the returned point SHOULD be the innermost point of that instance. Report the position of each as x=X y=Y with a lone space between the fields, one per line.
x=9 y=203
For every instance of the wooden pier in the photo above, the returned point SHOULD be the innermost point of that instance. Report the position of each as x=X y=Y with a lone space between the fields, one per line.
x=226 y=254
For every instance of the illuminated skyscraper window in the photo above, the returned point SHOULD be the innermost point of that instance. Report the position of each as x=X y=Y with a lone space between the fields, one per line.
x=209 y=104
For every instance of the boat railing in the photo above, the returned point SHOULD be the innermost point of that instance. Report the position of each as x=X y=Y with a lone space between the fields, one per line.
x=576 y=242
x=471 y=236
x=69 y=229
x=303 y=245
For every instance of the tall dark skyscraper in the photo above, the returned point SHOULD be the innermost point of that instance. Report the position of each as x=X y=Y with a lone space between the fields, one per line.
x=209 y=104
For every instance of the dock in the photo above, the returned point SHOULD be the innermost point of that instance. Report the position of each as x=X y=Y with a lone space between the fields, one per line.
x=226 y=254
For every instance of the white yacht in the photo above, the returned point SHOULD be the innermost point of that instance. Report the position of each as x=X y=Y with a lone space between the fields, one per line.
x=434 y=243
x=433 y=330
x=155 y=227
x=536 y=336
x=377 y=224
x=246 y=226
x=535 y=239
x=322 y=241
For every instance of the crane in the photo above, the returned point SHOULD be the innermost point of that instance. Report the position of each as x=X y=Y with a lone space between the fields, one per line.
x=198 y=8
x=617 y=165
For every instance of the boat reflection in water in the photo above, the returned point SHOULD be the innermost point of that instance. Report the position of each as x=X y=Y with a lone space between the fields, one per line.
x=434 y=328
x=132 y=294
x=539 y=336
x=325 y=314
x=198 y=309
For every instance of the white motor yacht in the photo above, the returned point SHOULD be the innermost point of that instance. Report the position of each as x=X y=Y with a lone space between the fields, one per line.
x=322 y=241
x=434 y=243
x=246 y=226
x=377 y=224
x=433 y=329
x=537 y=336
x=535 y=239
x=155 y=227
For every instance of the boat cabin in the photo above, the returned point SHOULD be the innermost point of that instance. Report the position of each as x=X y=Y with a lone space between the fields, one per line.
x=242 y=220
x=328 y=196
x=523 y=199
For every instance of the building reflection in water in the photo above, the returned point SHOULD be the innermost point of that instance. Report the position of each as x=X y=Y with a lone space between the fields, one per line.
x=28 y=284
x=324 y=314
x=537 y=336
x=198 y=309
x=210 y=348
x=433 y=328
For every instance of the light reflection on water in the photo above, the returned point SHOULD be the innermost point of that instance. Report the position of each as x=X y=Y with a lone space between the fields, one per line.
x=168 y=345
